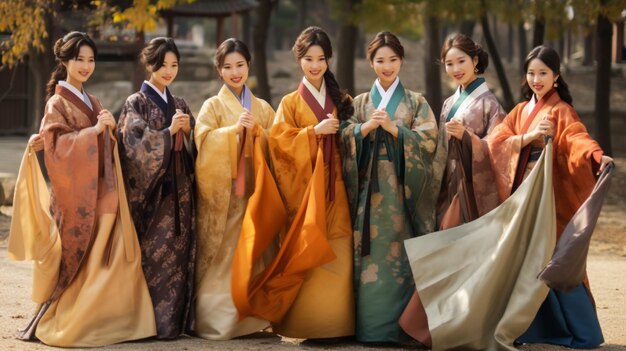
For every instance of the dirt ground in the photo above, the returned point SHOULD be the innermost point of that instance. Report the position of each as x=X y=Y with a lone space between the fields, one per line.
x=606 y=267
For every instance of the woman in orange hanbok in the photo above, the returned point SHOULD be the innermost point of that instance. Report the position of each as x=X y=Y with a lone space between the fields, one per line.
x=565 y=318
x=486 y=287
x=306 y=291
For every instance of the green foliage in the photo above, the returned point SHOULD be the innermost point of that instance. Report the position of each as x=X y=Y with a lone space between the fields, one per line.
x=402 y=17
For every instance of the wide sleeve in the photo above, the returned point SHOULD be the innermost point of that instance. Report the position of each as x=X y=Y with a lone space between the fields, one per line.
x=493 y=115
x=505 y=146
x=33 y=234
x=72 y=160
x=578 y=144
x=190 y=146
x=145 y=151
x=69 y=157
x=261 y=133
x=266 y=118
x=482 y=175
x=576 y=150
x=356 y=152
x=423 y=152
x=293 y=148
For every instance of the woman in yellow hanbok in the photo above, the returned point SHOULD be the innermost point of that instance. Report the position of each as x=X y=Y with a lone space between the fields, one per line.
x=229 y=127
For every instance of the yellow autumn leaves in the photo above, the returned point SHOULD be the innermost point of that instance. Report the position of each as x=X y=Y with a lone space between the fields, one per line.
x=24 y=22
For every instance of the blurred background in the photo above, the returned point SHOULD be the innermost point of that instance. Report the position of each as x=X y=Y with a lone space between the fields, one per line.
x=588 y=34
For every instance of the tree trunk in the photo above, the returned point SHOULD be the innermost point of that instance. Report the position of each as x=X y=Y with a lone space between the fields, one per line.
x=603 y=83
x=261 y=26
x=348 y=34
x=509 y=44
x=301 y=17
x=41 y=65
x=588 y=47
x=539 y=31
x=567 y=49
x=139 y=74
x=497 y=62
x=467 y=28
x=523 y=48
x=431 y=67
x=361 y=44
x=247 y=24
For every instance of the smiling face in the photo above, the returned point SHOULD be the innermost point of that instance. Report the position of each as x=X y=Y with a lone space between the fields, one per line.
x=234 y=71
x=314 y=65
x=540 y=78
x=386 y=64
x=460 y=66
x=165 y=75
x=80 y=69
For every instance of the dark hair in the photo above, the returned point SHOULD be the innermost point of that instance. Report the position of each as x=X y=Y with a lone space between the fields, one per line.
x=229 y=46
x=468 y=46
x=316 y=36
x=550 y=58
x=153 y=55
x=385 y=39
x=65 y=49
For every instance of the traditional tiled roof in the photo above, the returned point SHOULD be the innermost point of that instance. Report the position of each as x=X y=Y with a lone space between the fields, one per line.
x=211 y=8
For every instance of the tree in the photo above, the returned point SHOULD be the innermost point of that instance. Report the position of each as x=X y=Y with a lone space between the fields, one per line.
x=601 y=13
x=467 y=27
x=539 y=31
x=259 y=38
x=33 y=28
x=402 y=19
x=508 y=102
x=603 y=80
x=431 y=66
x=348 y=35
x=26 y=21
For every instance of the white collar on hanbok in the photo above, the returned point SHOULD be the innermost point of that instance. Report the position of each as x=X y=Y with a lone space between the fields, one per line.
x=163 y=94
x=386 y=95
x=531 y=104
x=81 y=94
x=319 y=95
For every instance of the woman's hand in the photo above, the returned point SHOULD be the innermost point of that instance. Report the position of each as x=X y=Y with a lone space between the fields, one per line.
x=105 y=119
x=329 y=125
x=35 y=142
x=545 y=128
x=606 y=160
x=383 y=120
x=246 y=120
x=455 y=128
x=180 y=121
x=369 y=126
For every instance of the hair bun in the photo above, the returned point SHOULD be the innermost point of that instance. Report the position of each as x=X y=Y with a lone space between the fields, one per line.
x=57 y=47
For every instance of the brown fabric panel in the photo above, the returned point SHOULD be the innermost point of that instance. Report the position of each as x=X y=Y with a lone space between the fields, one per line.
x=71 y=145
x=568 y=266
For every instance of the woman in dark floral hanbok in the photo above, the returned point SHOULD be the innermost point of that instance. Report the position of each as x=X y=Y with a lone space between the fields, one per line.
x=155 y=130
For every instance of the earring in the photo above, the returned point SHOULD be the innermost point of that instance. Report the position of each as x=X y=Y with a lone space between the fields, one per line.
x=475 y=69
x=555 y=84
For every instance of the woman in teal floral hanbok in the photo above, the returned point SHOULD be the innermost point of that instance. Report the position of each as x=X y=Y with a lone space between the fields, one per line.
x=393 y=164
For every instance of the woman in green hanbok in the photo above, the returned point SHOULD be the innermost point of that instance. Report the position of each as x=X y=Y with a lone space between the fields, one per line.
x=393 y=164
